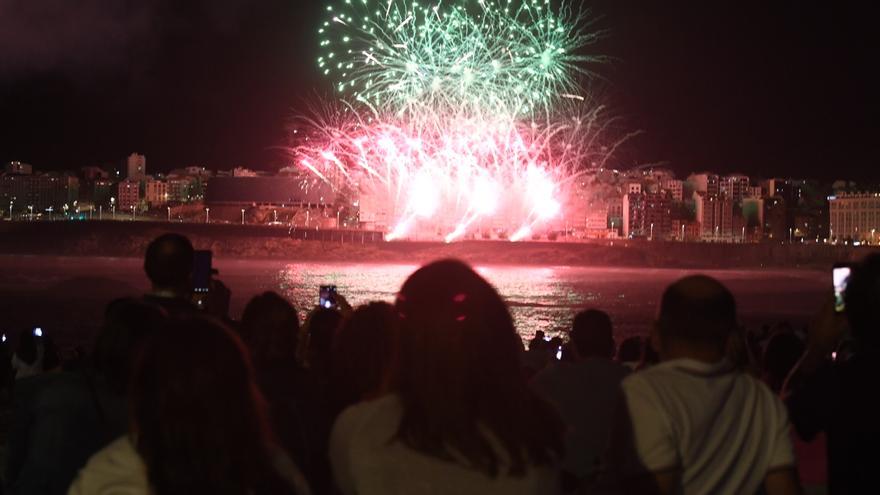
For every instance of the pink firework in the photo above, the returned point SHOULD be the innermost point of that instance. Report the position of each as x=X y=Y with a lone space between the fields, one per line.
x=450 y=177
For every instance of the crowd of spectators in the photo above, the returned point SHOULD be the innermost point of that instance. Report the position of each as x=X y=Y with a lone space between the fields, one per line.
x=435 y=393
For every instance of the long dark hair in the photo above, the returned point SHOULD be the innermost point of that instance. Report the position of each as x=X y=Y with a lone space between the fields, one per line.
x=198 y=418
x=363 y=351
x=459 y=377
x=270 y=328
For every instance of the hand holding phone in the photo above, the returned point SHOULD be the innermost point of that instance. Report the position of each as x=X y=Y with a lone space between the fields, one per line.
x=839 y=278
x=202 y=270
x=327 y=297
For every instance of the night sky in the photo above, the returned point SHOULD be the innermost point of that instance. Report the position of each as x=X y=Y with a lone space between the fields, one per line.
x=768 y=88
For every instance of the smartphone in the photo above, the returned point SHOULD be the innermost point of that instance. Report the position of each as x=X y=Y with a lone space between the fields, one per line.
x=202 y=270
x=839 y=278
x=327 y=296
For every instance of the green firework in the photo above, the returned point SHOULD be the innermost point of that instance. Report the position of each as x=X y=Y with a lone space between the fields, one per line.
x=454 y=57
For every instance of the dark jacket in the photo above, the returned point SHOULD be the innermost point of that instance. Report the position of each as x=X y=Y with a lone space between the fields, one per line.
x=59 y=420
x=841 y=400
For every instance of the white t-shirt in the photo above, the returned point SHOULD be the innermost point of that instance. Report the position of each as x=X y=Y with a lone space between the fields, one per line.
x=118 y=469
x=366 y=461
x=723 y=429
x=115 y=469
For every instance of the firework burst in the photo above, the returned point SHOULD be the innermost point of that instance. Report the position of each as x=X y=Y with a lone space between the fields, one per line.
x=475 y=57
x=456 y=113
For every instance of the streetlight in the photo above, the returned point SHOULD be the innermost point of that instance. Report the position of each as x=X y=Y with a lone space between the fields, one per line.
x=652 y=231
x=100 y=211
x=743 y=238
x=169 y=212
x=113 y=207
x=242 y=216
x=132 y=212
x=337 y=218
x=207 y=215
x=790 y=232
x=682 y=232
x=10 y=208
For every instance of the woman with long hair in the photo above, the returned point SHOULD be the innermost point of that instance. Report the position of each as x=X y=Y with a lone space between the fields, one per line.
x=363 y=351
x=460 y=417
x=299 y=410
x=198 y=423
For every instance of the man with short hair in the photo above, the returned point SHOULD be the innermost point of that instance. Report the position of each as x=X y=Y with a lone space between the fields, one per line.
x=694 y=423
x=583 y=391
x=837 y=396
x=168 y=264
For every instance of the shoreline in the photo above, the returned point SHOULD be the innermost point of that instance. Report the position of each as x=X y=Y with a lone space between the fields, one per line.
x=125 y=239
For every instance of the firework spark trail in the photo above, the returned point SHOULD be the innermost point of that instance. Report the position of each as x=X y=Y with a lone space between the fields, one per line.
x=460 y=113
x=447 y=56
x=458 y=171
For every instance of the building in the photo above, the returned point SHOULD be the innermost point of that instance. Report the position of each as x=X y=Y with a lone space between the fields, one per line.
x=577 y=207
x=776 y=224
x=243 y=172
x=136 y=167
x=634 y=188
x=102 y=191
x=647 y=215
x=715 y=215
x=156 y=193
x=855 y=216
x=633 y=215
x=685 y=230
x=597 y=217
x=128 y=196
x=194 y=171
x=658 y=216
x=705 y=182
x=374 y=210
x=615 y=215
x=776 y=188
x=675 y=188
x=753 y=213
x=810 y=226
x=38 y=192
x=735 y=186
x=178 y=189
x=755 y=192
x=18 y=168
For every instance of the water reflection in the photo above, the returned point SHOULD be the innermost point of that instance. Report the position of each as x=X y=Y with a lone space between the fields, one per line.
x=540 y=298
x=546 y=298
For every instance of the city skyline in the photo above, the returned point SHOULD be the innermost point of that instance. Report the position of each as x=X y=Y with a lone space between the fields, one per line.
x=216 y=84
